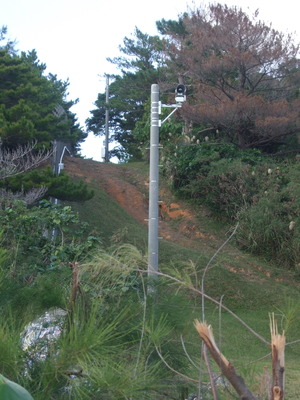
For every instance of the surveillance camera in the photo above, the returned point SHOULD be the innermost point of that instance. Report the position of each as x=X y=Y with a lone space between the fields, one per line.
x=180 y=91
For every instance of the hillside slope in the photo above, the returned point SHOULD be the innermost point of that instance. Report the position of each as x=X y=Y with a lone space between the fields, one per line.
x=127 y=185
x=129 y=189
x=247 y=285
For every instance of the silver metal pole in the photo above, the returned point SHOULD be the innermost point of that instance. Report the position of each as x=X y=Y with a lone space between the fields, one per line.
x=153 y=184
x=106 y=157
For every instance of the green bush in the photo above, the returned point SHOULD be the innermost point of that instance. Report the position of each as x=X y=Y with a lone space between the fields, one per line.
x=43 y=237
x=228 y=185
x=186 y=163
x=270 y=226
x=260 y=192
x=183 y=163
x=226 y=188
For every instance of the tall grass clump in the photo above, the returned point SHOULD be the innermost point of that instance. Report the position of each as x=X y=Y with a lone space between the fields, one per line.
x=10 y=348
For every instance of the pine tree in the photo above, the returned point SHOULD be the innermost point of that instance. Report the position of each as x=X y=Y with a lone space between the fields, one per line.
x=29 y=99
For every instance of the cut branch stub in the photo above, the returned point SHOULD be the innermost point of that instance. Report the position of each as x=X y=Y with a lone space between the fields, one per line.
x=206 y=333
x=278 y=349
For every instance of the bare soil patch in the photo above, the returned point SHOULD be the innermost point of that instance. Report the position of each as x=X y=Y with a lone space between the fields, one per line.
x=117 y=182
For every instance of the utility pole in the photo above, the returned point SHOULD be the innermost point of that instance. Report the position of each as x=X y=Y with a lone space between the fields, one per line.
x=180 y=97
x=153 y=184
x=106 y=156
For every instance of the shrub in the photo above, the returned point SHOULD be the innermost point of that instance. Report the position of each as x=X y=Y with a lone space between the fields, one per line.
x=226 y=188
x=262 y=193
x=43 y=237
x=270 y=227
x=183 y=163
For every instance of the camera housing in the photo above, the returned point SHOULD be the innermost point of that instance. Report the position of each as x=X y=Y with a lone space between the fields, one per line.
x=180 y=93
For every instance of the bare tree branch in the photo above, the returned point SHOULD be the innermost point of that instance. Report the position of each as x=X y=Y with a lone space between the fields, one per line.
x=208 y=367
x=172 y=369
x=21 y=159
x=30 y=197
x=192 y=288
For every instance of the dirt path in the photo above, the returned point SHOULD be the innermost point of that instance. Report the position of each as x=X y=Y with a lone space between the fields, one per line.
x=177 y=223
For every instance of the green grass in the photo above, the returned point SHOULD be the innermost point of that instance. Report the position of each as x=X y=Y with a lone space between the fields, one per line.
x=245 y=281
x=248 y=285
x=108 y=219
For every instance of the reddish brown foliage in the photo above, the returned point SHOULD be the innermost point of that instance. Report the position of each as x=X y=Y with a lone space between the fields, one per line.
x=243 y=75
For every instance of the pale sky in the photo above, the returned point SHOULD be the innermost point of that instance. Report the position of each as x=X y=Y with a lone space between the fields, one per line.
x=74 y=37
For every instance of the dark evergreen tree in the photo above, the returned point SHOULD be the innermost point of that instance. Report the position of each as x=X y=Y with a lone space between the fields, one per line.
x=34 y=112
x=29 y=100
